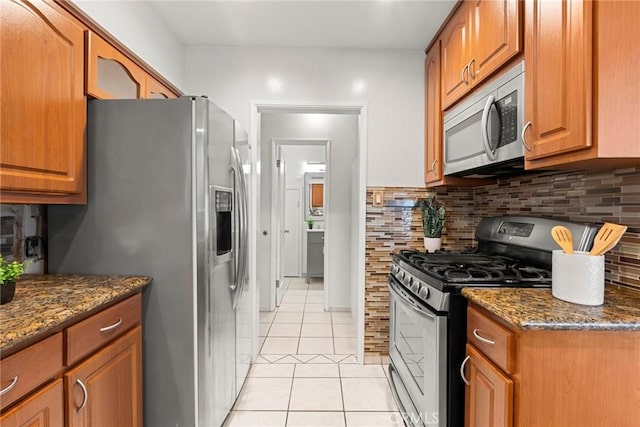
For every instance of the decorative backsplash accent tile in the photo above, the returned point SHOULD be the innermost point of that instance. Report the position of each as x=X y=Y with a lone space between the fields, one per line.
x=579 y=196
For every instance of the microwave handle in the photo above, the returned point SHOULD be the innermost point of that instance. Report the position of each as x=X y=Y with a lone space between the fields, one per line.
x=491 y=154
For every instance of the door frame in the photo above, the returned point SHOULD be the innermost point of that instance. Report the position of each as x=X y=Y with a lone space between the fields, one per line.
x=279 y=142
x=299 y=221
x=359 y=109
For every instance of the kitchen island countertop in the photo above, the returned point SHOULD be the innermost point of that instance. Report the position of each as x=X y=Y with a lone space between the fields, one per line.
x=537 y=309
x=44 y=304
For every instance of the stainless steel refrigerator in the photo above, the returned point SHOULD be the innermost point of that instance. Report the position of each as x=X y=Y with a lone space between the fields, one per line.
x=168 y=194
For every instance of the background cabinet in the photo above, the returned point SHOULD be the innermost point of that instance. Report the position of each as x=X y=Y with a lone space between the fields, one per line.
x=43 y=105
x=315 y=254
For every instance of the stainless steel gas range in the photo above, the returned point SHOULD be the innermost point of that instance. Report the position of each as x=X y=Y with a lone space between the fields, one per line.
x=428 y=314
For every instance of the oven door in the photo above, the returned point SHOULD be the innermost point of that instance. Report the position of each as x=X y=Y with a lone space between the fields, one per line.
x=417 y=348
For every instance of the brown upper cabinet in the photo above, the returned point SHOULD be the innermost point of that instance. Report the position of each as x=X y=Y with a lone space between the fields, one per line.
x=156 y=90
x=43 y=104
x=480 y=37
x=582 y=88
x=111 y=74
x=432 y=116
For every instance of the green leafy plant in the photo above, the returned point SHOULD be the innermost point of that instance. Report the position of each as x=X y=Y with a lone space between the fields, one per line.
x=432 y=216
x=310 y=222
x=10 y=271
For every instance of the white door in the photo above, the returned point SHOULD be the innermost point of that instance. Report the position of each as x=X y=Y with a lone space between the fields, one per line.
x=280 y=228
x=292 y=228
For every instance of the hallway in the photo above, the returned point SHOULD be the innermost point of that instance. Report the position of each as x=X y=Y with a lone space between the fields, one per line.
x=306 y=373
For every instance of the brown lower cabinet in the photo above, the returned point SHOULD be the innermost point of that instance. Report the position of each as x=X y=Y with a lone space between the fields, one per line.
x=546 y=377
x=100 y=383
x=106 y=388
x=43 y=409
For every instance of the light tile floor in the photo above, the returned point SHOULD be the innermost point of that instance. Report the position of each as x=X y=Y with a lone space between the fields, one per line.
x=306 y=374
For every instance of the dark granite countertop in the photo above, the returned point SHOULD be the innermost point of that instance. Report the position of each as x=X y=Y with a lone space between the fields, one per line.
x=538 y=309
x=43 y=303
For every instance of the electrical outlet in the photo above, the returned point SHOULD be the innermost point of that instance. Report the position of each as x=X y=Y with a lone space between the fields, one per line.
x=32 y=246
x=378 y=198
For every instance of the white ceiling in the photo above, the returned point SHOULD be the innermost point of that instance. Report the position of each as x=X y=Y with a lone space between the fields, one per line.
x=364 y=24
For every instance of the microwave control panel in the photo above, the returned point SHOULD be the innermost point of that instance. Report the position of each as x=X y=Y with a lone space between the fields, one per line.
x=508 y=111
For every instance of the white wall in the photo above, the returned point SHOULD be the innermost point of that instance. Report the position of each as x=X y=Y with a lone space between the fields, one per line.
x=393 y=88
x=139 y=27
x=342 y=130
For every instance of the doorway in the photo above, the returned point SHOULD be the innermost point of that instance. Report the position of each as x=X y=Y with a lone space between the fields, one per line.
x=299 y=222
x=352 y=177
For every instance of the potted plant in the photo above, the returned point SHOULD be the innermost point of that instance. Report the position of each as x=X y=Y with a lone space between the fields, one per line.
x=9 y=273
x=310 y=222
x=432 y=223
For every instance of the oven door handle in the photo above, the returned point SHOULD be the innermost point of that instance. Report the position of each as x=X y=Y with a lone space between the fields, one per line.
x=395 y=290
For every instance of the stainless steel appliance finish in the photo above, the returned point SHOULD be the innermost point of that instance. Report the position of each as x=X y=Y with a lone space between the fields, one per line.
x=428 y=315
x=482 y=135
x=167 y=198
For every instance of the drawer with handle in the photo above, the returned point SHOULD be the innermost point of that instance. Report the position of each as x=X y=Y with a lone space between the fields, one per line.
x=101 y=328
x=22 y=372
x=492 y=339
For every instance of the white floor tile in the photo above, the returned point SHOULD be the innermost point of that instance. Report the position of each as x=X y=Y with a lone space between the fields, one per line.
x=374 y=419
x=316 y=286
x=315 y=419
x=261 y=339
x=267 y=316
x=339 y=358
x=317 y=299
x=277 y=345
x=293 y=307
x=296 y=292
x=344 y=330
x=316 y=370
x=294 y=299
x=264 y=394
x=350 y=359
x=299 y=280
x=316 y=317
x=316 y=346
x=361 y=371
x=342 y=317
x=316 y=394
x=322 y=358
x=284 y=330
x=345 y=345
x=367 y=394
x=256 y=418
x=315 y=293
x=298 y=286
x=288 y=318
x=316 y=330
x=264 y=328
x=262 y=370
x=314 y=308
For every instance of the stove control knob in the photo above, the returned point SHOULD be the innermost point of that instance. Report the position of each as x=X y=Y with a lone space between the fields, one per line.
x=415 y=287
x=424 y=293
x=407 y=281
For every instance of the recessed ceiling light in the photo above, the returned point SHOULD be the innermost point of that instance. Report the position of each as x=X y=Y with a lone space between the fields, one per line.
x=275 y=85
x=358 y=86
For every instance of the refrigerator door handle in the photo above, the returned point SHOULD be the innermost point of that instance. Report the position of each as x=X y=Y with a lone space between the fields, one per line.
x=242 y=227
x=244 y=242
x=237 y=183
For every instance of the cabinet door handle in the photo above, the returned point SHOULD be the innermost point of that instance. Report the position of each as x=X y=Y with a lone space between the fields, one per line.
x=483 y=339
x=10 y=387
x=524 y=142
x=464 y=72
x=110 y=327
x=85 y=395
x=471 y=75
x=464 y=362
x=433 y=165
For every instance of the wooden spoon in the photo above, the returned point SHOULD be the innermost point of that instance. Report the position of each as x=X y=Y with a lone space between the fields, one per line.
x=608 y=236
x=563 y=237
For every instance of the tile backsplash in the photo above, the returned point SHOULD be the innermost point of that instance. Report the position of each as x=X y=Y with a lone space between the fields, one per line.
x=578 y=196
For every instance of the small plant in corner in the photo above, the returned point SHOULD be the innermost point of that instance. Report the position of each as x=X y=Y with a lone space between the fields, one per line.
x=10 y=271
x=432 y=217
x=310 y=222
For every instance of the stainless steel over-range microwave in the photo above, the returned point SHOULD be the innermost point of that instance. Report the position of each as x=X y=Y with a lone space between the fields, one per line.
x=483 y=134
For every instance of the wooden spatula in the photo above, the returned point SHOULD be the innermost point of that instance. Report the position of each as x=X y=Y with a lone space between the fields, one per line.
x=608 y=236
x=563 y=237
